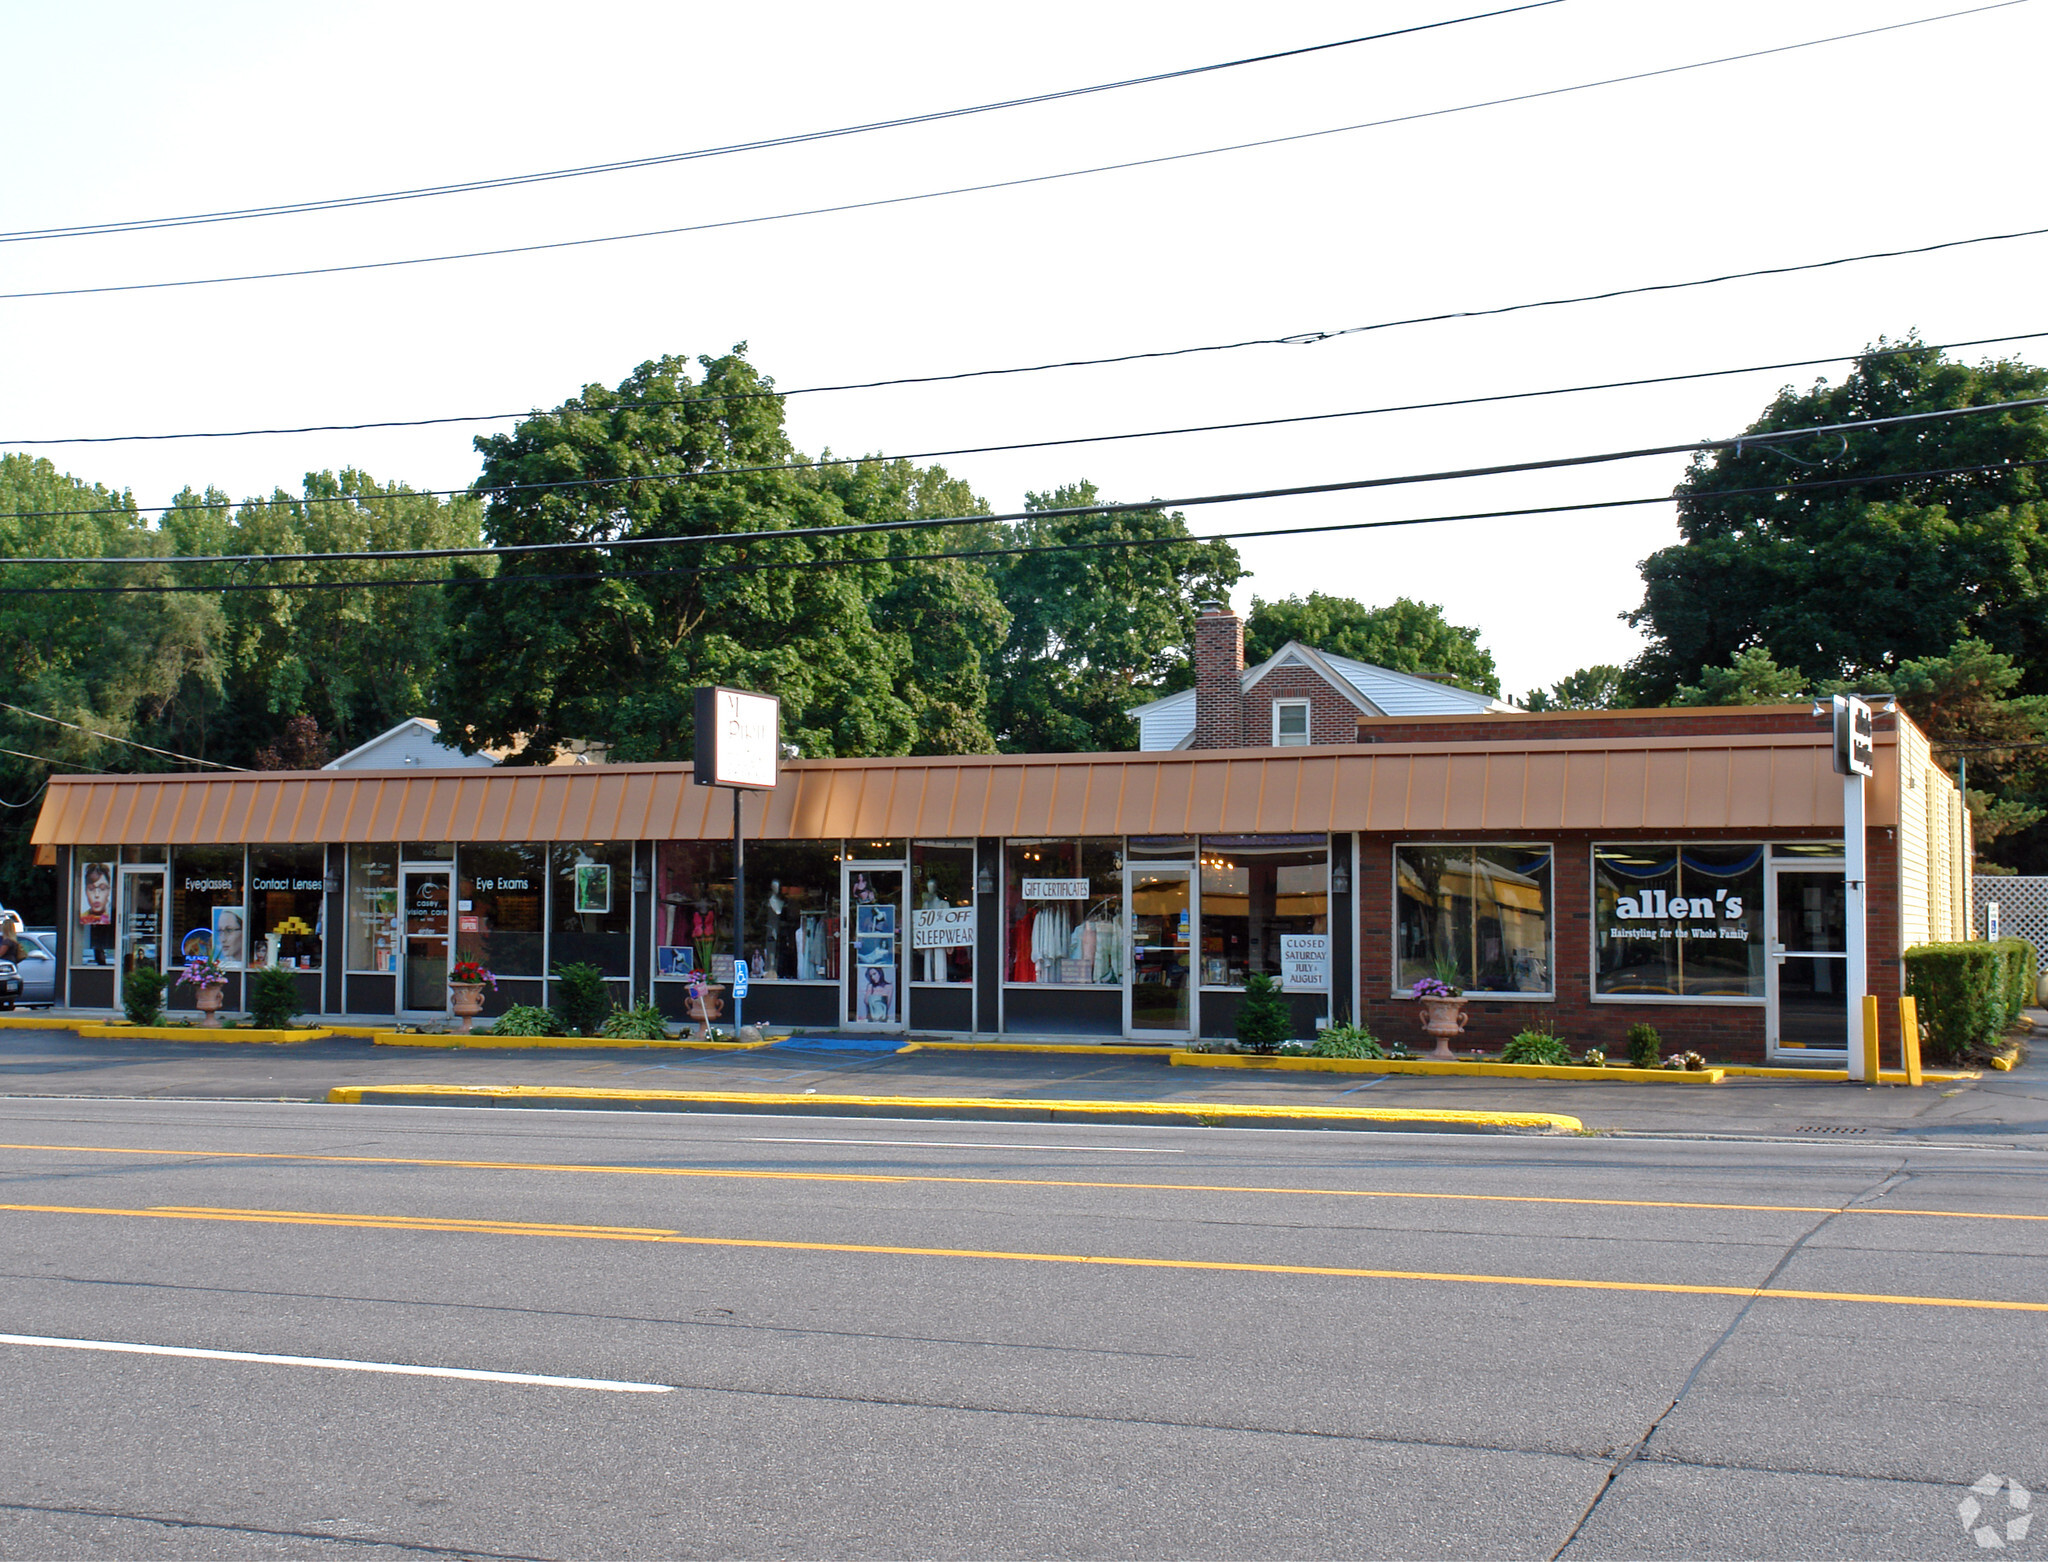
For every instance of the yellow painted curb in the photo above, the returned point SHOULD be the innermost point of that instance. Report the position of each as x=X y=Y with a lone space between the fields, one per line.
x=1092 y=1049
x=1205 y=1112
x=1835 y=1076
x=24 y=1022
x=393 y=1038
x=1604 y=1076
x=193 y=1033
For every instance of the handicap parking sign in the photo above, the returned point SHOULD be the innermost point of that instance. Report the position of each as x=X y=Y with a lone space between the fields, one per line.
x=739 y=978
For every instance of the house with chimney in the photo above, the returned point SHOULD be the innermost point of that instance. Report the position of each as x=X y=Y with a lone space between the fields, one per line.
x=1298 y=697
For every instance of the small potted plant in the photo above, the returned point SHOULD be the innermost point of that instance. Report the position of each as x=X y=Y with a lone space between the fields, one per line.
x=466 y=984
x=205 y=974
x=1443 y=1009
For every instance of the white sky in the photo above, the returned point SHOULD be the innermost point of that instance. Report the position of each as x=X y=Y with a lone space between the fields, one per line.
x=126 y=110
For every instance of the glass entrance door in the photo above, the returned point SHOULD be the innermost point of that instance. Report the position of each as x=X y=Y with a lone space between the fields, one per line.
x=1161 y=992
x=423 y=968
x=140 y=924
x=1808 y=999
x=873 y=896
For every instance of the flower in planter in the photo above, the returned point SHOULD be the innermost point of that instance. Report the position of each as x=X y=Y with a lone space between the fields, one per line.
x=472 y=971
x=1430 y=987
x=202 y=971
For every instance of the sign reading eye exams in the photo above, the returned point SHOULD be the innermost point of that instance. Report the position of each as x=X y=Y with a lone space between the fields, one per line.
x=739 y=738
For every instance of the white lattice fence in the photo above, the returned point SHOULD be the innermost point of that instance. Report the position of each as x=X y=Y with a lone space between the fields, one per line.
x=2022 y=909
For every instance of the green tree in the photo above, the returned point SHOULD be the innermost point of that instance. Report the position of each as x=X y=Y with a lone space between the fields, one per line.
x=1095 y=632
x=1408 y=636
x=1854 y=576
x=1753 y=678
x=1602 y=687
x=604 y=646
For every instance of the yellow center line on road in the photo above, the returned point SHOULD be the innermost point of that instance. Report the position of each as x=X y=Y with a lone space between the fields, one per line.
x=755 y=1174
x=1223 y=1266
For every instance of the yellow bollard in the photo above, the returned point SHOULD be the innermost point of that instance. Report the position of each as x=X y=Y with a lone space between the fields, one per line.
x=1909 y=1038
x=1870 y=1075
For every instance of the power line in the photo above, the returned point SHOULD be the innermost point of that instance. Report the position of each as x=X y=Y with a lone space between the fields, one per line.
x=1008 y=184
x=109 y=737
x=843 y=561
x=707 y=473
x=791 y=533
x=1040 y=444
x=507 y=181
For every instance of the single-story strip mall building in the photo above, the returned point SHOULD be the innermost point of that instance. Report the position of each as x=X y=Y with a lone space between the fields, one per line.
x=1576 y=871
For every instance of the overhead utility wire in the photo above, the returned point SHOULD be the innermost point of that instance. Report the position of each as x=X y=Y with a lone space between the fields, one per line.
x=109 y=737
x=842 y=561
x=866 y=528
x=999 y=184
x=506 y=181
x=1037 y=444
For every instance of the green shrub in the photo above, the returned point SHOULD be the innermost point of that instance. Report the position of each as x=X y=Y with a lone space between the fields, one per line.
x=526 y=1019
x=1535 y=1046
x=1347 y=1041
x=1962 y=992
x=642 y=1022
x=2021 y=968
x=142 y=995
x=273 y=998
x=1263 y=1020
x=1644 y=1046
x=582 y=1000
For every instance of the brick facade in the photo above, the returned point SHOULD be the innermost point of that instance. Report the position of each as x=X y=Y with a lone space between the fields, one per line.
x=1724 y=1033
x=1331 y=717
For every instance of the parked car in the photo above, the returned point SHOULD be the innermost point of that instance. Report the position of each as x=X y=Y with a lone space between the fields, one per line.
x=10 y=984
x=37 y=969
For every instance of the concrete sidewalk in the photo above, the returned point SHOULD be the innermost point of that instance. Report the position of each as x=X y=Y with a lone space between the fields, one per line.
x=2007 y=1110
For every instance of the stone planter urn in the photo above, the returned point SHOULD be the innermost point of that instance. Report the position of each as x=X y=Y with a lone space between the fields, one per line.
x=707 y=1008
x=1443 y=1018
x=467 y=1000
x=208 y=999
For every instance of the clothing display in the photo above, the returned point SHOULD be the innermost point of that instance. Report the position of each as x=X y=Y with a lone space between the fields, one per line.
x=817 y=947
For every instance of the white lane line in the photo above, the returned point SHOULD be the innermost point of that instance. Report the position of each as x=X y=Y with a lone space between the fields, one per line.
x=607 y=1385
x=968 y=1144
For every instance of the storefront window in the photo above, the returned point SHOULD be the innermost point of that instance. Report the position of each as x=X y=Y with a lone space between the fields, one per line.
x=942 y=912
x=792 y=910
x=692 y=905
x=592 y=909
x=1265 y=908
x=373 y=908
x=97 y=871
x=1063 y=903
x=287 y=906
x=501 y=908
x=1678 y=921
x=1476 y=916
x=208 y=916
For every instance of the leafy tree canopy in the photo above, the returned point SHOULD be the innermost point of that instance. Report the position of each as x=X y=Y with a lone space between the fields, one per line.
x=1869 y=570
x=1603 y=687
x=870 y=651
x=1095 y=632
x=1408 y=636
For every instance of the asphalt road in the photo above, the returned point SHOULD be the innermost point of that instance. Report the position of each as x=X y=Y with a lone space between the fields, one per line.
x=910 y=1339
x=2004 y=1109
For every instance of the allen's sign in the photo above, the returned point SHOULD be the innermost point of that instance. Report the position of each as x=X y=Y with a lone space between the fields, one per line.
x=739 y=738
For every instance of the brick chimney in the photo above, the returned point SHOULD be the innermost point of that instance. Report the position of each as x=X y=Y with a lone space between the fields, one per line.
x=1219 y=692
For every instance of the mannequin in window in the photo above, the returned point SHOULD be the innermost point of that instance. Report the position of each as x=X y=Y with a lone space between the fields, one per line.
x=934 y=959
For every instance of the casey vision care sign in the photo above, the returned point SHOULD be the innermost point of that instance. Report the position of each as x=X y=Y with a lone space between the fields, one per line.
x=739 y=738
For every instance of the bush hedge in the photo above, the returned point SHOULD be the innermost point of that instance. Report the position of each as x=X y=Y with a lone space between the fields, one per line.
x=1263 y=1019
x=583 y=1002
x=142 y=995
x=273 y=997
x=1968 y=994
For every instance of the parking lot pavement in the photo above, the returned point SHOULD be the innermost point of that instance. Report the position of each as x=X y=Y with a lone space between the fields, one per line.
x=1998 y=1110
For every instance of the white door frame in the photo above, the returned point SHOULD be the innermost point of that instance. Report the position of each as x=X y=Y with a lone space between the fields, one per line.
x=123 y=873
x=1775 y=956
x=849 y=932
x=446 y=872
x=1194 y=872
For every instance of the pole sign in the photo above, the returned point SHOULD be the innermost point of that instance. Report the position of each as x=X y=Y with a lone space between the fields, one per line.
x=739 y=739
x=1855 y=744
x=739 y=984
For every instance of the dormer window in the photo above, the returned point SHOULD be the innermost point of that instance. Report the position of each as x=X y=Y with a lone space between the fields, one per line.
x=1290 y=723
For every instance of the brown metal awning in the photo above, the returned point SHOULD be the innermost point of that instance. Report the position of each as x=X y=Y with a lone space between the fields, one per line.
x=1782 y=781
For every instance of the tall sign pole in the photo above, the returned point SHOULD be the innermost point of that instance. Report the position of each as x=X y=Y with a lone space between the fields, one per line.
x=1855 y=755
x=739 y=744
